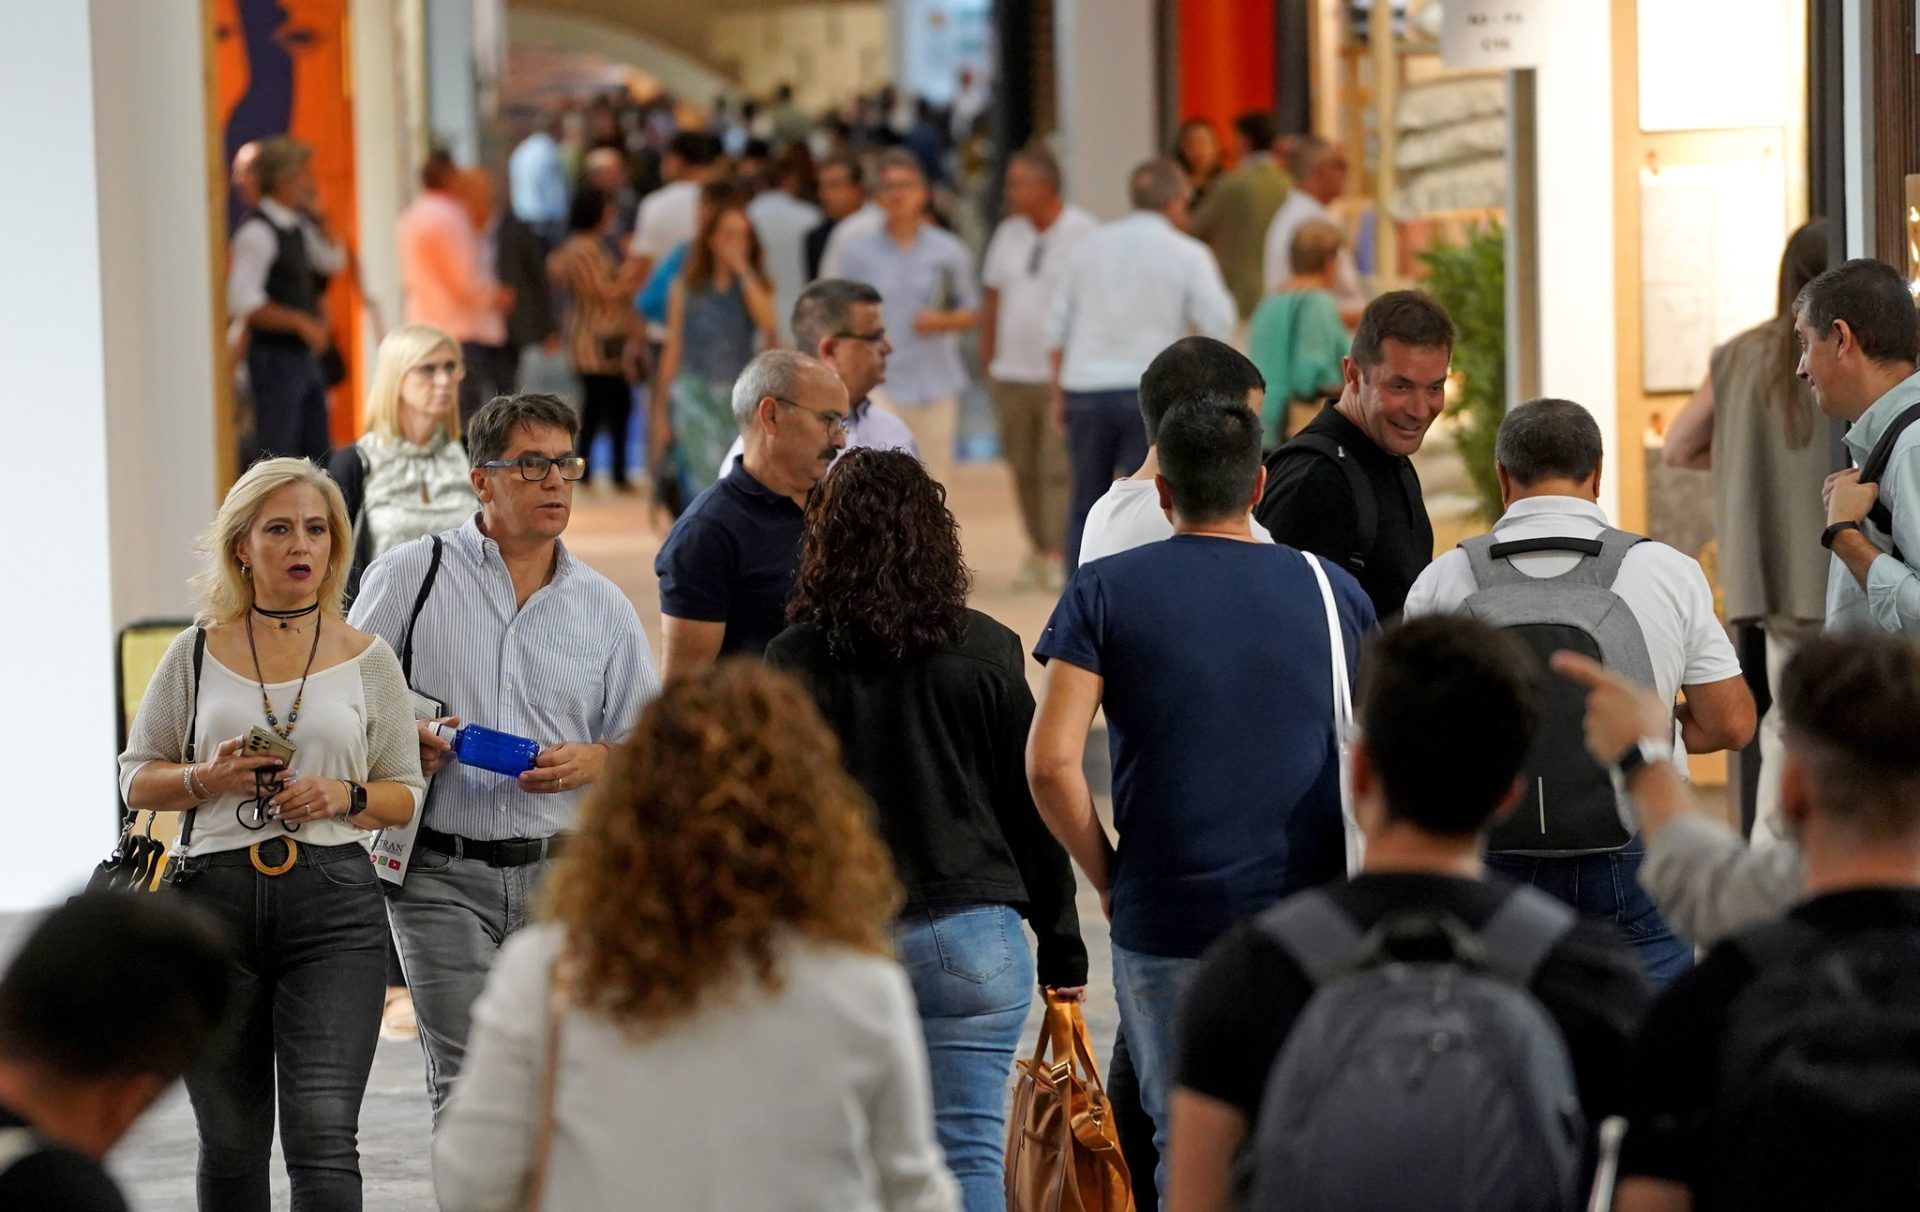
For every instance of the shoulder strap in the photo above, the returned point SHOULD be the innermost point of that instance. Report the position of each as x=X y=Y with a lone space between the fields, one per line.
x=1599 y=565
x=193 y=724
x=1317 y=933
x=1366 y=510
x=1876 y=465
x=1523 y=930
x=419 y=604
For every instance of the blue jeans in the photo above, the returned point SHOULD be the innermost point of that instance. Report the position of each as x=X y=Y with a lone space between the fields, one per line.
x=1149 y=989
x=1106 y=439
x=1607 y=886
x=311 y=976
x=973 y=978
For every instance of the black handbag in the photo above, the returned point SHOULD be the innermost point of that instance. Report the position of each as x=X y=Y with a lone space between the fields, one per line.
x=139 y=857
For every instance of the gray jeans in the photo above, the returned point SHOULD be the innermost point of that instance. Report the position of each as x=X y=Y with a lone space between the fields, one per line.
x=449 y=920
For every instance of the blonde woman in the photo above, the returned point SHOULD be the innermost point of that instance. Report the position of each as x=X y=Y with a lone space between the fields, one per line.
x=733 y=1031
x=280 y=852
x=407 y=476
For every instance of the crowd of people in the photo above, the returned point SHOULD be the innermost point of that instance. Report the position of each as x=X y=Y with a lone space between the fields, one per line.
x=1404 y=881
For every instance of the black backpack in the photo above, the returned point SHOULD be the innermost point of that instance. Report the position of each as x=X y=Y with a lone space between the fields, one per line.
x=1819 y=1080
x=1876 y=466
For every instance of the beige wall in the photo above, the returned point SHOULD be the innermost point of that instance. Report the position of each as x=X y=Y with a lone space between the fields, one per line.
x=827 y=52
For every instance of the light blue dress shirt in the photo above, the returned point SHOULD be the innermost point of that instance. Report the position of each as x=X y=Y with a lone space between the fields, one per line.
x=1133 y=288
x=570 y=665
x=1891 y=598
x=537 y=181
x=910 y=280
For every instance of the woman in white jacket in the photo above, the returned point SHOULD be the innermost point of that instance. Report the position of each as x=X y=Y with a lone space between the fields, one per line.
x=730 y=1030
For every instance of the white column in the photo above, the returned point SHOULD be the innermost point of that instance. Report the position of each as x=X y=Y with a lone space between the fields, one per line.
x=1106 y=86
x=453 y=115
x=382 y=158
x=1575 y=180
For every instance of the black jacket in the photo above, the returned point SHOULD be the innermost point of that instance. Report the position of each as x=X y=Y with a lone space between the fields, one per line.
x=939 y=743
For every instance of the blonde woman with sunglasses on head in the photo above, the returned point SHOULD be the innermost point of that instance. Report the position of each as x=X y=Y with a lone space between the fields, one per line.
x=407 y=476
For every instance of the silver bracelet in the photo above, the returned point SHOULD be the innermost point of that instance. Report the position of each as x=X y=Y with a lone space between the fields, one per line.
x=188 y=781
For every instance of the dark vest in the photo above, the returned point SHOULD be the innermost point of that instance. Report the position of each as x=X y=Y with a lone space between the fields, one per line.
x=291 y=281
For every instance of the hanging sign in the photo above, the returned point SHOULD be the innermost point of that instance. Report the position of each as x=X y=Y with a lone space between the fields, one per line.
x=1479 y=34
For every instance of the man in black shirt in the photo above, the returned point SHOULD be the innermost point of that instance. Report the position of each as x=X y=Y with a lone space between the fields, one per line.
x=1781 y=1072
x=1449 y=709
x=1344 y=487
x=102 y=1009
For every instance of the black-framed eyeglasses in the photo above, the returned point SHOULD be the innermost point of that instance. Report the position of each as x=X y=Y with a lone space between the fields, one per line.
x=836 y=422
x=871 y=338
x=534 y=467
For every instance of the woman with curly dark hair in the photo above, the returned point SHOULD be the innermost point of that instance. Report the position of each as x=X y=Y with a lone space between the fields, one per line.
x=710 y=1017
x=931 y=703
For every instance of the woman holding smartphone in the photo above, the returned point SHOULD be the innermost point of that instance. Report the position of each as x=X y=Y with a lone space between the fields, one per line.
x=285 y=737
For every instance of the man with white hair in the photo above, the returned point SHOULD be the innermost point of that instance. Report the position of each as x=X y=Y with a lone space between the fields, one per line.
x=727 y=567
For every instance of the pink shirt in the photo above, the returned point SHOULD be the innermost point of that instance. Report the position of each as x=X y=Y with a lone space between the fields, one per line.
x=442 y=271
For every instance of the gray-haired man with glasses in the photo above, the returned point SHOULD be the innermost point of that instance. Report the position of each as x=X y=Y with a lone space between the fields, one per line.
x=515 y=634
x=726 y=569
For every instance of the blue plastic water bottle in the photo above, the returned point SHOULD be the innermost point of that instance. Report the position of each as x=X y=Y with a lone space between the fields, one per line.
x=500 y=752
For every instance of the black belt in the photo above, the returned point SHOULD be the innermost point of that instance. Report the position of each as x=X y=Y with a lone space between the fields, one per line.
x=501 y=852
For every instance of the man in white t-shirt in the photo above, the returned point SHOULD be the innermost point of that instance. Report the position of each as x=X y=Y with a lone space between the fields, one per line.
x=1024 y=264
x=667 y=215
x=1130 y=515
x=1319 y=172
x=1548 y=454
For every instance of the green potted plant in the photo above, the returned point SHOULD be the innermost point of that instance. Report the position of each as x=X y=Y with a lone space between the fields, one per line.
x=1470 y=280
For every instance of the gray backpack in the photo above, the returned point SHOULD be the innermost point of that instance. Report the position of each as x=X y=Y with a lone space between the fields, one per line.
x=1430 y=1084
x=1570 y=805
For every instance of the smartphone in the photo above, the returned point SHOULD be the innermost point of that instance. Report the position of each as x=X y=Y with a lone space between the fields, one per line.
x=261 y=743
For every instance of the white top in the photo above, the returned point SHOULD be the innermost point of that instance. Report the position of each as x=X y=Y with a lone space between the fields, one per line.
x=867 y=425
x=255 y=247
x=1298 y=209
x=1129 y=516
x=863 y=222
x=1133 y=287
x=414 y=490
x=782 y=222
x=1665 y=589
x=355 y=723
x=1026 y=266
x=666 y=219
x=811 y=1099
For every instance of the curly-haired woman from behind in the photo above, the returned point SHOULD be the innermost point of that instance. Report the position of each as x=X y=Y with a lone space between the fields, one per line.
x=732 y=1031
x=931 y=703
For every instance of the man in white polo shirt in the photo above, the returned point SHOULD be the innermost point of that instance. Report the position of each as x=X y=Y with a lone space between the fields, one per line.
x=1548 y=454
x=1025 y=261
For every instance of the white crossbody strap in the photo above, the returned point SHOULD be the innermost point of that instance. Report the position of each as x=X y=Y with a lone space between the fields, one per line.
x=1343 y=728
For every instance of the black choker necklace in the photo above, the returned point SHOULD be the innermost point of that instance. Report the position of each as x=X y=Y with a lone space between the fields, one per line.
x=284 y=615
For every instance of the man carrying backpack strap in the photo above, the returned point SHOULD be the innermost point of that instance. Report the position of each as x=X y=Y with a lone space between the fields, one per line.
x=1557 y=575
x=1447 y=712
x=1858 y=343
x=1783 y=1072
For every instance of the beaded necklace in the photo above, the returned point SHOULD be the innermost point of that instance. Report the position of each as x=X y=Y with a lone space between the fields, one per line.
x=293 y=714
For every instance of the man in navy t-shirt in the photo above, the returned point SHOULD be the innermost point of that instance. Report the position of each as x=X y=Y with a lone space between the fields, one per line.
x=1209 y=651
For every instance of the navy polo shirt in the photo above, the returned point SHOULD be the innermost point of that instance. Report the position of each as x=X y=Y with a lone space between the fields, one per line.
x=731 y=558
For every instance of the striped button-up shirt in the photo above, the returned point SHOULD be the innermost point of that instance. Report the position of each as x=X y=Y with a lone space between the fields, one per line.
x=570 y=665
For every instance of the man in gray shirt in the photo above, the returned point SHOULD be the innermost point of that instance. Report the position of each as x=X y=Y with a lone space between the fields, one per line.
x=517 y=635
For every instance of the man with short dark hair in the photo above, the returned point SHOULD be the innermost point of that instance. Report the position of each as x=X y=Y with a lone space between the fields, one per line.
x=1858 y=341
x=1238 y=208
x=1344 y=487
x=726 y=570
x=105 y=1005
x=516 y=634
x=1319 y=172
x=925 y=277
x=782 y=217
x=1548 y=459
x=1025 y=263
x=1130 y=513
x=1780 y=1072
x=843 y=197
x=1447 y=711
x=666 y=217
x=1133 y=287
x=1226 y=787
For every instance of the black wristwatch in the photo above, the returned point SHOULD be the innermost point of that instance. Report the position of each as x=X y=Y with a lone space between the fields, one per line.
x=356 y=798
x=1832 y=532
x=1645 y=752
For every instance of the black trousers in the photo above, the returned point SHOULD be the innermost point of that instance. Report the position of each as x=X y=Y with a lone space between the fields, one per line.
x=492 y=370
x=606 y=407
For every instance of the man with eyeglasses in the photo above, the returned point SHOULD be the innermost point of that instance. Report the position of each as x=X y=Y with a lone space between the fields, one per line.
x=840 y=323
x=1026 y=260
x=727 y=567
x=512 y=632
